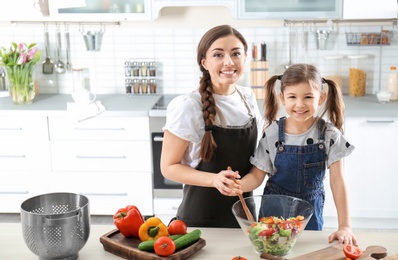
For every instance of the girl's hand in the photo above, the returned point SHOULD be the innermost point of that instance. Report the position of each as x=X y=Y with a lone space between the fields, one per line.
x=343 y=236
x=225 y=183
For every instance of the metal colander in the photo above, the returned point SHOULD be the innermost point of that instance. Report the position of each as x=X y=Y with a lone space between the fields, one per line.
x=56 y=225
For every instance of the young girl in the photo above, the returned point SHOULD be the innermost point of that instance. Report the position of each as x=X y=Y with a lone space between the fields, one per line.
x=295 y=151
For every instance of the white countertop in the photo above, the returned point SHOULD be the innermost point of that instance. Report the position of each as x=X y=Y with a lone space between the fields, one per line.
x=141 y=105
x=220 y=243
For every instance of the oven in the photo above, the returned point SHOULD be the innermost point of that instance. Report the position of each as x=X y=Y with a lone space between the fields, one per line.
x=163 y=188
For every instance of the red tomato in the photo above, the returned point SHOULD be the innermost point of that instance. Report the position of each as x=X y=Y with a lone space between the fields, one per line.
x=164 y=246
x=177 y=227
x=352 y=251
x=267 y=232
x=239 y=258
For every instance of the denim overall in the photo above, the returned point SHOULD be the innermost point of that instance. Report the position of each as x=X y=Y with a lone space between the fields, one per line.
x=206 y=206
x=300 y=173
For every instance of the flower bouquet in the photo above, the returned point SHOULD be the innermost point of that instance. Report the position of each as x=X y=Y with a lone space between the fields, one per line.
x=19 y=62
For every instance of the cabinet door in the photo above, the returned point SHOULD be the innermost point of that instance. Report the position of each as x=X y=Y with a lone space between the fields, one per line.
x=359 y=9
x=106 y=191
x=99 y=156
x=105 y=10
x=23 y=128
x=290 y=9
x=371 y=169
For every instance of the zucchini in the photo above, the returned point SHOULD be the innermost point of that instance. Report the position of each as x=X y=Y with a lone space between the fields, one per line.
x=148 y=245
x=187 y=239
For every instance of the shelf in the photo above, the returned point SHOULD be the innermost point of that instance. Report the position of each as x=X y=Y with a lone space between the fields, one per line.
x=369 y=38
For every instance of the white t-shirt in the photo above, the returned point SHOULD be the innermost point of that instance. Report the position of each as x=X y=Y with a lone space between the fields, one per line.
x=185 y=119
x=337 y=147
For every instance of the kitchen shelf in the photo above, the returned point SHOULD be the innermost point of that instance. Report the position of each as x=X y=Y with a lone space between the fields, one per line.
x=368 y=38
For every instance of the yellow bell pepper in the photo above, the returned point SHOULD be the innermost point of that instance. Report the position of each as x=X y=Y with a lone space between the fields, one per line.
x=152 y=229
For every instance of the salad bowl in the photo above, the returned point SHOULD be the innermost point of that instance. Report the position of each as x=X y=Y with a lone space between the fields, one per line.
x=279 y=222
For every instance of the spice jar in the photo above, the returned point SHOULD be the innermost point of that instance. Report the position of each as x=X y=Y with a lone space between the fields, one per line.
x=333 y=65
x=152 y=69
x=152 y=86
x=136 y=86
x=128 y=86
x=357 y=77
x=144 y=69
x=135 y=68
x=144 y=86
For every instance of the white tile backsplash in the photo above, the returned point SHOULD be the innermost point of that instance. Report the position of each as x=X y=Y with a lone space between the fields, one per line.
x=174 y=48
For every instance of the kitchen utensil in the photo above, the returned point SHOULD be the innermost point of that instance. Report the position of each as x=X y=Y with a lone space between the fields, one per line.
x=127 y=247
x=292 y=36
x=93 y=40
x=321 y=38
x=263 y=51
x=371 y=253
x=48 y=64
x=245 y=208
x=59 y=65
x=285 y=234
x=3 y=85
x=67 y=42
x=56 y=225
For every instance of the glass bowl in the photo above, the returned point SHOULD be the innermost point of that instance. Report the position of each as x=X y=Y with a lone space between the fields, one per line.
x=280 y=222
x=383 y=96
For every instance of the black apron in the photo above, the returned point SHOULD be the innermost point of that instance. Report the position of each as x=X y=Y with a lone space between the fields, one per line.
x=205 y=206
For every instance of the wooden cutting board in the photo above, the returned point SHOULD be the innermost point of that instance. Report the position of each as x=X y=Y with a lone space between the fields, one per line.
x=127 y=248
x=336 y=253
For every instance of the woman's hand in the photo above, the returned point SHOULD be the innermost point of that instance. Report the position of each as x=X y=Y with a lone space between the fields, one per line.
x=225 y=182
x=344 y=236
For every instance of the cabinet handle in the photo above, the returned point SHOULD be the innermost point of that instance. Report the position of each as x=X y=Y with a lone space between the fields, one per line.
x=14 y=192
x=99 y=129
x=158 y=139
x=104 y=194
x=12 y=156
x=99 y=157
x=380 y=121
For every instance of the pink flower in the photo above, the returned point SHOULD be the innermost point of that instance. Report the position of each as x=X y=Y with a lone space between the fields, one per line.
x=32 y=53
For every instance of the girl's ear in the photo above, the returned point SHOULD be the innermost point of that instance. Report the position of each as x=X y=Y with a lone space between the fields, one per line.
x=322 y=98
x=282 y=98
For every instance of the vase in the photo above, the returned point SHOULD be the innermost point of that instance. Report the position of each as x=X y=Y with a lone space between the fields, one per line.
x=21 y=87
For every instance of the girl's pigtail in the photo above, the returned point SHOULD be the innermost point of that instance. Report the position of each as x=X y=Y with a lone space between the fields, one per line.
x=271 y=101
x=334 y=105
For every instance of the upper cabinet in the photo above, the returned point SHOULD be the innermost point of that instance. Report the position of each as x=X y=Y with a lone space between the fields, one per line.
x=290 y=9
x=359 y=9
x=157 y=5
x=104 y=10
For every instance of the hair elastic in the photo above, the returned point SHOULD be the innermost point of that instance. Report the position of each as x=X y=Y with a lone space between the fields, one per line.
x=208 y=127
x=324 y=80
x=280 y=77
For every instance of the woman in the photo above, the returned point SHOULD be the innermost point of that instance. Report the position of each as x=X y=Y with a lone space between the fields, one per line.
x=213 y=127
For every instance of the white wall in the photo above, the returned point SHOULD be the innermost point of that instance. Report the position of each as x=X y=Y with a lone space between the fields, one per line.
x=172 y=40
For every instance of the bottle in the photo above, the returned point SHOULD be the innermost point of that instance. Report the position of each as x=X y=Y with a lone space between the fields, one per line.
x=392 y=85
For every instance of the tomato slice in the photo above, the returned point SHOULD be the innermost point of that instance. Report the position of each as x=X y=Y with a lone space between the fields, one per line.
x=352 y=251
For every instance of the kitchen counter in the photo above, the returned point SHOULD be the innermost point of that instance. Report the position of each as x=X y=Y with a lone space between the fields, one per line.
x=220 y=243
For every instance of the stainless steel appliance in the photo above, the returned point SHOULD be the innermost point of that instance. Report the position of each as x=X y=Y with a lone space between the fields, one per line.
x=163 y=188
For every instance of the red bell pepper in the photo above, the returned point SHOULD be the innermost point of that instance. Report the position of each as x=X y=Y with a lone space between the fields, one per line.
x=128 y=220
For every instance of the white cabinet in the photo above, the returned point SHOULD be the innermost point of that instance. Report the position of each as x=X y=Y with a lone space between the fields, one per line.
x=97 y=10
x=371 y=171
x=359 y=9
x=290 y=9
x=106 y=158
x=24 y=159
x=157 y=5
x=166 y=208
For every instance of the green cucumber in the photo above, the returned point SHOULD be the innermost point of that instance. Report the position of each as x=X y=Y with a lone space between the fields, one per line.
x=187 y=239
x=148 y=245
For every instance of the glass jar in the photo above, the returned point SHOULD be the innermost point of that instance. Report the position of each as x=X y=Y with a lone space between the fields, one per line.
x=333 y=67
x=136 y=86
x=144 y=69
x=128 y=85
x=357 y=77
x=135 y=68
x=152 y=69
x=144 y=86
x=152 y=86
